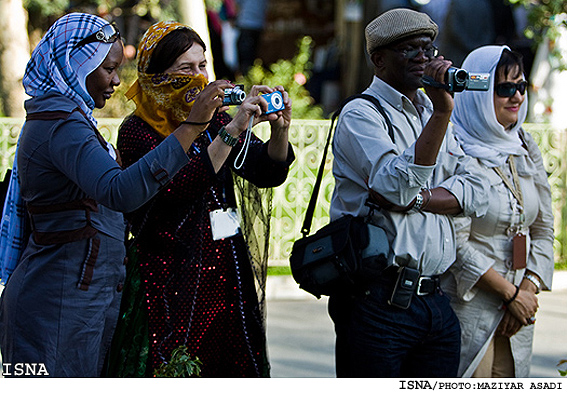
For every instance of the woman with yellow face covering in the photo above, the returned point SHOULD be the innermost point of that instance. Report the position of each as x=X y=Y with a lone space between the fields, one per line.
x=199 y=281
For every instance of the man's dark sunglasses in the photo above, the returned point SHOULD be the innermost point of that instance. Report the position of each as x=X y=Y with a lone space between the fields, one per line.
x=508 y=89
x=106 y=34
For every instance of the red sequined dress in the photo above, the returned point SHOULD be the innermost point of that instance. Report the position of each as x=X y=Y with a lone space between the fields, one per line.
x=197 y=292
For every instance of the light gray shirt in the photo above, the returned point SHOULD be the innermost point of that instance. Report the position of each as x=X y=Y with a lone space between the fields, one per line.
x=365 y=157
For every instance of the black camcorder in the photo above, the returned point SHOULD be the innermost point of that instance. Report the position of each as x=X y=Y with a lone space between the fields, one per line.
x=458 y=79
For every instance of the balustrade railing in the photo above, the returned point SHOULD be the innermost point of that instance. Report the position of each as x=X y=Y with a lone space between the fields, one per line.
x=308 y=139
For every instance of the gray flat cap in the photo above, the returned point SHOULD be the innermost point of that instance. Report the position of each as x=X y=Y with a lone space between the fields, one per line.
x=395 y=24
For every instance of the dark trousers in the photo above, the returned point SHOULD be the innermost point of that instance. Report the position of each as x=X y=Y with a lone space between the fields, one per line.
x=375 y=339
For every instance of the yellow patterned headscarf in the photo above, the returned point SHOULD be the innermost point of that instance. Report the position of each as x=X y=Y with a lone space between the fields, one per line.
x=162 y=100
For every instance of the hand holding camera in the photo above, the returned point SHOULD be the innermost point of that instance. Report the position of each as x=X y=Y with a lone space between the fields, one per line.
x=236 y=96
x=206 y=103
x=261 y=104
x=435 y=73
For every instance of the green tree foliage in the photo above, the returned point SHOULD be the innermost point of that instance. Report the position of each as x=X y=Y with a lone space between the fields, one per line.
x=545 y=19
x=43 y=13
x=46 y=9
x=292 y=75
x=542 y=17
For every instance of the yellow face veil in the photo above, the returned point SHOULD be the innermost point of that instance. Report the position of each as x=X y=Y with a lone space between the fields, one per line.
x=163 y=100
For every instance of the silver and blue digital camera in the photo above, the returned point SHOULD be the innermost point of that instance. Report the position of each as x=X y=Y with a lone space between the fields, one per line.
x=234 y=96
x=275 y=102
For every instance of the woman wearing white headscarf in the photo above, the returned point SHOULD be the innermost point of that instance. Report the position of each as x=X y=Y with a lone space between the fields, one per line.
x=60 y=305
x=505 y=257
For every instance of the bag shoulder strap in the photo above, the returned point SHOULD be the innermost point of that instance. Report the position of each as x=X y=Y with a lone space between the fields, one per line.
x=49 y=115
x=4 y=186
x=378 y=106
x=313 y=200
x=63 y=115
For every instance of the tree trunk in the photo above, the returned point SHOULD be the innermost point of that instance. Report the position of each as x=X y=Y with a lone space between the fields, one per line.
x=14 y=55
x=194 y=14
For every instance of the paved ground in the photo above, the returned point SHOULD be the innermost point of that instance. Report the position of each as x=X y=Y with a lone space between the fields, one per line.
x=301 y=337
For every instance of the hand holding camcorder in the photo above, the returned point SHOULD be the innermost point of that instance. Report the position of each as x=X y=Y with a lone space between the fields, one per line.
x=458 y=79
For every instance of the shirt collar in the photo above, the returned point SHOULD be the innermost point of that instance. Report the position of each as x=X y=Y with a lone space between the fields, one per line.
x=398 y=100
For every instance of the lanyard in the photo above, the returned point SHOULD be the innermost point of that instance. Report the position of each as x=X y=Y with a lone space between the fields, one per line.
x=515 y=188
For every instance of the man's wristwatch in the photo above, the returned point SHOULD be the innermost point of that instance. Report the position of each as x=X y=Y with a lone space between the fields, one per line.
x=534 y=280
x=416 y=207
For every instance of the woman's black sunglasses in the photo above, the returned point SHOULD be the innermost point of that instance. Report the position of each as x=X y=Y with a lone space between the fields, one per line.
x=106 y=34
x=508 y=89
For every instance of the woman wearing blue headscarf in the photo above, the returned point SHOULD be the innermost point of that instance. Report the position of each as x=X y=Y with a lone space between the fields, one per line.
x=60 y=305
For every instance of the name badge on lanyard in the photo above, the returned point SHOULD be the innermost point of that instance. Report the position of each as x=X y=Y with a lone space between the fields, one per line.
x=225 y=223
x=520 y=239
x=520 y=251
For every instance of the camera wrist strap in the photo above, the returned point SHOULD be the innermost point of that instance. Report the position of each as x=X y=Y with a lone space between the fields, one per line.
x=244 y=150
x=427 y=80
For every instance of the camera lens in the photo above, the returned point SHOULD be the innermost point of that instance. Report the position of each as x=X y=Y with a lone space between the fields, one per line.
x=277 y=101
x=461 y=76
x=239 y=96
x=234 y=96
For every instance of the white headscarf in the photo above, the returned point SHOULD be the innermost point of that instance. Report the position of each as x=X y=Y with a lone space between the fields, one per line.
x=474 y=118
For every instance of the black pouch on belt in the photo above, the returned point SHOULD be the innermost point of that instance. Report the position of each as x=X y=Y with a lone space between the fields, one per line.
x=406 y=284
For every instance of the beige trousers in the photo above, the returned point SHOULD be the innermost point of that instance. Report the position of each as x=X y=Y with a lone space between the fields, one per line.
x=498 y=361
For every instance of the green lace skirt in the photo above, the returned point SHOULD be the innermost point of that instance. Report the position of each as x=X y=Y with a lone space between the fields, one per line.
x=128 y=355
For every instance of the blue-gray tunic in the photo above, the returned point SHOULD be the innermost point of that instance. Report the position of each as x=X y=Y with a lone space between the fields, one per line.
x=58 y=308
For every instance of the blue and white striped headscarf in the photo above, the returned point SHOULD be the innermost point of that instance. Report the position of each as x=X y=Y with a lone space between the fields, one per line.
x=55 y=65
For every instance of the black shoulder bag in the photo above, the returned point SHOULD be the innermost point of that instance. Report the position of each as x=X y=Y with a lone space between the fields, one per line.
x=347 y=250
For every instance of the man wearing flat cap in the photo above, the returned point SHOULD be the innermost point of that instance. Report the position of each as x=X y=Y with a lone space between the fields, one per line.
x=399 y=323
